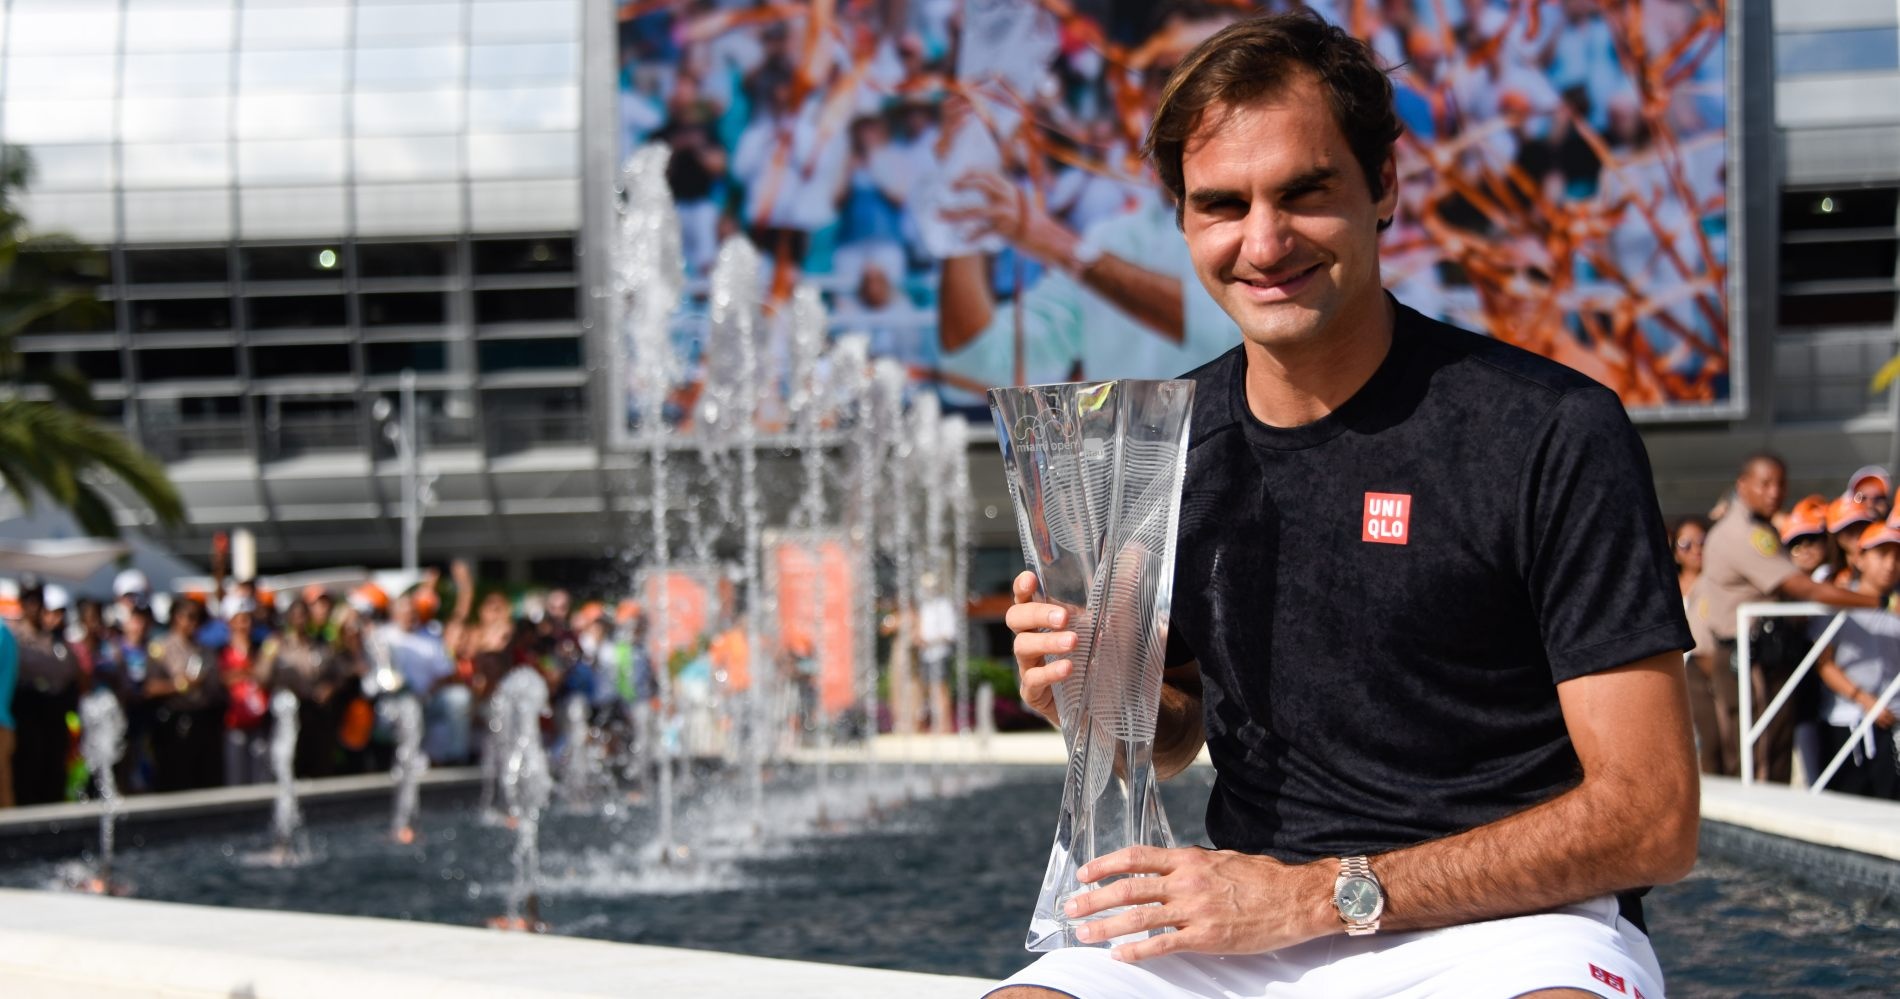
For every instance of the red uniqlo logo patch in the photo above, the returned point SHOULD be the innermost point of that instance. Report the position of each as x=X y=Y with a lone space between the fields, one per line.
x=1613 y=981
x=1388 y=518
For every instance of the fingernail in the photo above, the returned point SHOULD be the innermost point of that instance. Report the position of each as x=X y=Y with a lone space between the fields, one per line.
x=1086 y=934
x=1068 y=641
x=1072 y=907
x=1055 y=617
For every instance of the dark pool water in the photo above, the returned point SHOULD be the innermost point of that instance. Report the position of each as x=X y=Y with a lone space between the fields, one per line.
x=942 y=885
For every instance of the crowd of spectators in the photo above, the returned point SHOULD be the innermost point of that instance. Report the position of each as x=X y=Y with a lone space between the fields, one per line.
x=1820 y=549
x=195 y=672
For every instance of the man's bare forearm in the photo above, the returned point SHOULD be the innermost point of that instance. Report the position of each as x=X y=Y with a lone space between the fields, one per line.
x=1178 y=733
x=1631 y=822
x=1154 y=300
x=964 y=302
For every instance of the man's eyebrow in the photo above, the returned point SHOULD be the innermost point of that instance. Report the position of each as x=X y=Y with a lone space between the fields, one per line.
x=1204 y=197
x=1311 y=179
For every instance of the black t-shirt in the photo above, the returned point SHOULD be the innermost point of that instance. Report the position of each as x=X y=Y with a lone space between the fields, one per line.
x=1384 y=600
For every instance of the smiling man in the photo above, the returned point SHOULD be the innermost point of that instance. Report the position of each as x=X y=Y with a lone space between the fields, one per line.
x=1425 y=618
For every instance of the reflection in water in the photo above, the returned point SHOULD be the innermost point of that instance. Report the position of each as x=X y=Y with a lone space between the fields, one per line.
x=939 y=885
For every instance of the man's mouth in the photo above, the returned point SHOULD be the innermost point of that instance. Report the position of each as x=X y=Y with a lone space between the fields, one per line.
x=1279 y=286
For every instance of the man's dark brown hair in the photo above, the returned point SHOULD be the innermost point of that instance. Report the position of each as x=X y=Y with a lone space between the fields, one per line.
x=1251 y=59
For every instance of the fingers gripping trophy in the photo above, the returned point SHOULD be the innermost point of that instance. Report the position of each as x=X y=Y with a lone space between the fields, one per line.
x=1095 y=473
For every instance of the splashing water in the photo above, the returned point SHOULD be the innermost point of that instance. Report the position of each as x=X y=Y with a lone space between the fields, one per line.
x=404 y=715
x=101 y=744
x=286 y=818
x=522 y=698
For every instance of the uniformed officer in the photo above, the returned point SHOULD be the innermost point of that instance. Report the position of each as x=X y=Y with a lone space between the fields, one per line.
x=1743 y=562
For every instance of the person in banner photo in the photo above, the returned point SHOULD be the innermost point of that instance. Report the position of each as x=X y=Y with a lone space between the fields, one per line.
x=1425 y=618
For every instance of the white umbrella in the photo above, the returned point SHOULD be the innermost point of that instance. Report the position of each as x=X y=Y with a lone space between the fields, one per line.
x=72 y=559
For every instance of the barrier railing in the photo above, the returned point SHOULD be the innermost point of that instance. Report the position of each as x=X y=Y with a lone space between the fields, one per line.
x=1751 y=733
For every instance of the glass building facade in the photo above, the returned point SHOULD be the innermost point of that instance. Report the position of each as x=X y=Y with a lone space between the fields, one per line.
x=301 y=199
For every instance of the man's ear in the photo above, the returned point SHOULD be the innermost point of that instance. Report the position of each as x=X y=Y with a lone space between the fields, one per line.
x=1389 y=189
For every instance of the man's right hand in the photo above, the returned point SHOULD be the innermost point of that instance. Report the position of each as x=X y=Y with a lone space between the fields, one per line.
x=1034 y=625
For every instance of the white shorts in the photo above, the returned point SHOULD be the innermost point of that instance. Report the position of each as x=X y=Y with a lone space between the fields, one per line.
x=1587 y=946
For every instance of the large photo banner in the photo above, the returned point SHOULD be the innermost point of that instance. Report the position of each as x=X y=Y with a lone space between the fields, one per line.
x=949 y=172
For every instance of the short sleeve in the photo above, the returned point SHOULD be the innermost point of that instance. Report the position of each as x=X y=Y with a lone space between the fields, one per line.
x=1052 y=325
x=1765 y=564
x=1596 y=557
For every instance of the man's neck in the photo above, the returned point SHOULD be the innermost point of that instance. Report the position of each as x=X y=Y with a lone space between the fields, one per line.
x=1296 y=385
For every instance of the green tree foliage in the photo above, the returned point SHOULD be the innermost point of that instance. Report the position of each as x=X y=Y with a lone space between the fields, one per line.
x=52 y=442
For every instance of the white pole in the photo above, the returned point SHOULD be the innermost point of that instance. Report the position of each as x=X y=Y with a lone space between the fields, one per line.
x=411 y=486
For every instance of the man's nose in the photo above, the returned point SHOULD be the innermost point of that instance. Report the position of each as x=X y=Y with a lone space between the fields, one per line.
x=1266 y=238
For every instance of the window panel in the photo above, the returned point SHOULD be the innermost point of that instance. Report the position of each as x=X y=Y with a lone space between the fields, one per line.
x=421 y=112
x=498 y=64
x=393 y=358
x=321 y=70
x=299 y=360
x=550 y=255
x=45 y=31
x=420 y=20
x=517 y=205
x=1873 y=308
x=525 y=20
x=528 y=355
x=171 y=119
x=424 y=158
x=187 y=365
x=375 y=260
x=405 y=308
x=1855 y=50
x=70 y=168
x=299 y=161
x=434 y=64
x=51 y=121
x=289 y=116
x=293 y=263
x=295 y=27
x=180 y=315
x=409 y=209
x=179 y=73
x=1844 y=208
x=65 y=76
x=193 y=29
x=524 y=109
x=176 y=164
x=180 y=265
x=294 y=312
x=276 y=212
x=90 y=217
x=534 y=154
x=178 y=214
x=526 y=305
x=1832 y=261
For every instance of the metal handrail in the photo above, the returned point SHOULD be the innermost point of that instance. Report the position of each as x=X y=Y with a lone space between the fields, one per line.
x=1745 y=616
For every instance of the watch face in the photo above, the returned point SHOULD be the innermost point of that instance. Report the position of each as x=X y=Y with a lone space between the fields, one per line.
x=1357 y=899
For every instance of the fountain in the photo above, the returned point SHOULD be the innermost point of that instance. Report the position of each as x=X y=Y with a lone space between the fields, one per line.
x=101 y=743
x=285 y=819
x=649 y=276
x=404 y=714
x=521 y=699
x=583 y=771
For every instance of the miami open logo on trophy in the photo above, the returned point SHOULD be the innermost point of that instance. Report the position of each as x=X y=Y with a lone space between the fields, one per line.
x=1094 y=474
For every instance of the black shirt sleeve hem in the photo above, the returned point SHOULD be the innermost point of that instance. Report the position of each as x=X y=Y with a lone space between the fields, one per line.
x=1620 y=651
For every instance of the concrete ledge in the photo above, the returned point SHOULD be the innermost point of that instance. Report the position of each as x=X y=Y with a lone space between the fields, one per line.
x=1841 y=821
x=1040 y=749
x=58 y=945
x=68 y=828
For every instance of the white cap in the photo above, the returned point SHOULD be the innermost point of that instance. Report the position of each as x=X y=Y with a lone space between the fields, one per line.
x=235 y=604
x=55 y=598
x=130 y=582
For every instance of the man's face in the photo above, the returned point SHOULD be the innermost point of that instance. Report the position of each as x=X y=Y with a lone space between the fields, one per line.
x=1279 y=221
x=1761 y=487
x=1880 y=567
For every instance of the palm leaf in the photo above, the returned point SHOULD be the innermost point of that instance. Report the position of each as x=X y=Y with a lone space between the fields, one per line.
x=1887 y=373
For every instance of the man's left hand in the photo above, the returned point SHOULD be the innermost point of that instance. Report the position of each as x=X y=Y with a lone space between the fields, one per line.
x=1216 y=901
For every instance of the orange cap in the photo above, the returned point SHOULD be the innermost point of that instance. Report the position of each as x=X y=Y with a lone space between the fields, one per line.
x=627 y=610
x=1808 y=517
x=369 y=596
x=1868 y=480
x=1844 y=513
x=426 y=603
x=1879 y=534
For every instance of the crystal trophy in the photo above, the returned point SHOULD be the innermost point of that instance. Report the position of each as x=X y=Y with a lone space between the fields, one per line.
x=1094 y=474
